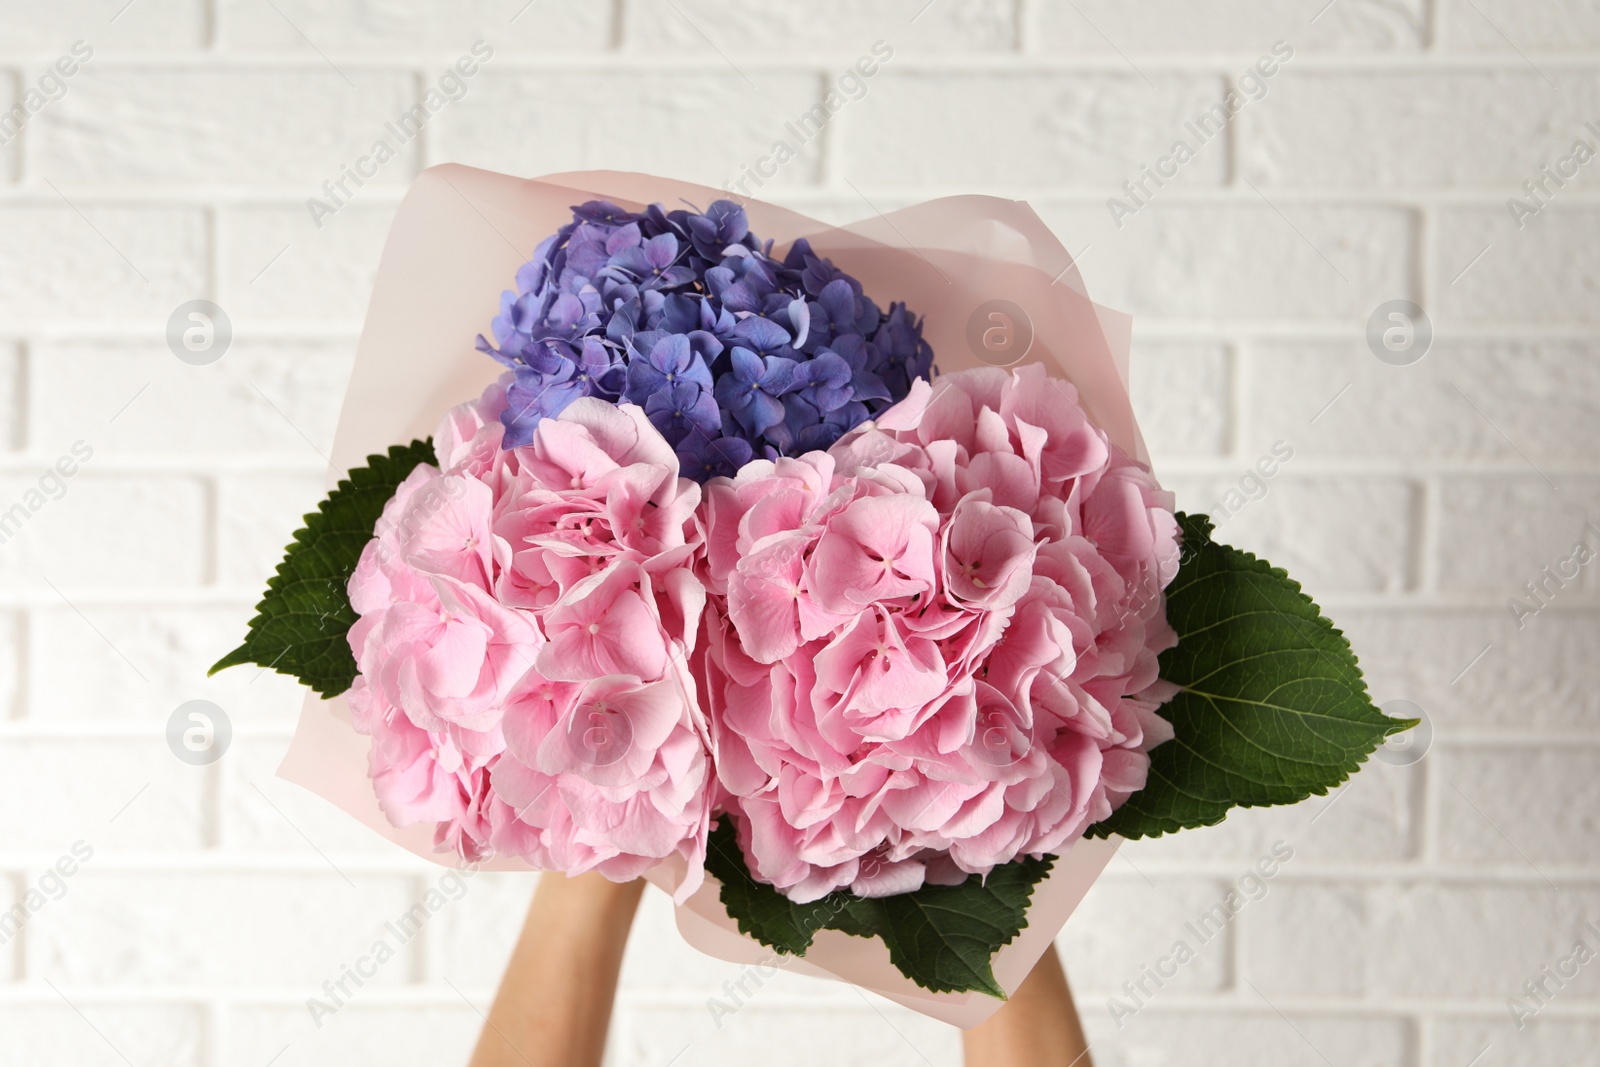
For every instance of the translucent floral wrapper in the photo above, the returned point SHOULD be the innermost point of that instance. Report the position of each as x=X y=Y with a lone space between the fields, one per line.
x=995 y=288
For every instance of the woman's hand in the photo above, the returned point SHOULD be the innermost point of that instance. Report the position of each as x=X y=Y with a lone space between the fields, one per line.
x=554 y=1003
x=1037 y=1027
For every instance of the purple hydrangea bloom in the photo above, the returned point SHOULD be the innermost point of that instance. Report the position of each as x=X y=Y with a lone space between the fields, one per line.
x=753 y=392
x=671 y=359
x=703 y=457
x=732 y=353
x=680 y=410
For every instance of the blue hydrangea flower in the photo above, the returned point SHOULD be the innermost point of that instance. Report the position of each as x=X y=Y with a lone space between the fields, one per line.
x=703 y=457
x=732 y=353
x=671 y=359
x=680 y=410
x=753 y=390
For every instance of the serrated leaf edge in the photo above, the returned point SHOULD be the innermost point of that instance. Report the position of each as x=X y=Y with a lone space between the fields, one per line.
x=356 y=478
x=1257 y=565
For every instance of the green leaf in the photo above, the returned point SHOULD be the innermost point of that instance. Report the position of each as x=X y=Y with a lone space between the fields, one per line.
x=942 y=937
x=301 y=623
x=760 y=910
x=1272 y=707
x=855 y=919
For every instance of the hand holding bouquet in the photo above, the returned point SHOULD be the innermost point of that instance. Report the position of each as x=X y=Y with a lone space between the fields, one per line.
x=732 y=571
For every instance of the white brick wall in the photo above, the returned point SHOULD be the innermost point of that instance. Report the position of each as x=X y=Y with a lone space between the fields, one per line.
x=1419 y=499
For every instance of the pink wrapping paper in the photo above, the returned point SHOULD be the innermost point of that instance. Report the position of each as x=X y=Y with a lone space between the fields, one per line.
x=456 y=243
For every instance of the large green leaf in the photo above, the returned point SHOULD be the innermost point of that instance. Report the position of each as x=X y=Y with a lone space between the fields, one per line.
x=302 y=621
x=1272 y=707
x=942 y=937
x=760 y=910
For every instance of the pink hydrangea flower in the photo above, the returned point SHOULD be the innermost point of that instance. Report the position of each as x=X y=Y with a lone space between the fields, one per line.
x=526 y=618
x=933 y=648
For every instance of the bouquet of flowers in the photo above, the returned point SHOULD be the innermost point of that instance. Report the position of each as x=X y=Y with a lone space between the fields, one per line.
x=732 y=578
